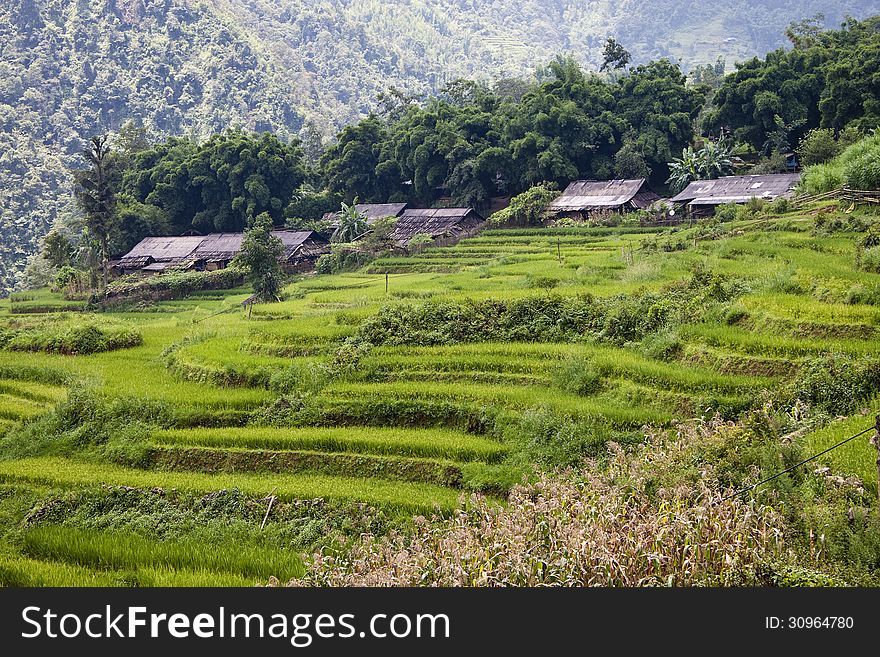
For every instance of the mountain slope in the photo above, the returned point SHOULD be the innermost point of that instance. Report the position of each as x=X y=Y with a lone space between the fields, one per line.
x=69 y=69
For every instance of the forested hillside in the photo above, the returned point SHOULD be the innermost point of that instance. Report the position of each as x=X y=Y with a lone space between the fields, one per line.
x=71 y=69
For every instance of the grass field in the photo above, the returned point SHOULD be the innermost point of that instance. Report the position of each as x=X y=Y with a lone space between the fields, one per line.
x=292 y=402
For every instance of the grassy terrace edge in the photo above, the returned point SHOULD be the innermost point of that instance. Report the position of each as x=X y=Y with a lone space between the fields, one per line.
x=404 y=497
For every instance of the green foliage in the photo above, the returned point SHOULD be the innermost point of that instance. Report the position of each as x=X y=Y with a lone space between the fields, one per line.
x=617 y=319
x=821 y=178
x=859 y=293
x=57 y=249
x=259 y=258
x=578 y=376
x=836 y=384
x=614 y=56
x=655 y=100
x=218 y=185
x=352 y=224
x=857 y=167
x=709 y=162
x=726 y=212
x=815 y=84
x=818 y=146
x=870 y=259
x=526 y=209
x=175 y=285
x=95 y=195
x=70 y=338
x=665 y=346
x=308 y=206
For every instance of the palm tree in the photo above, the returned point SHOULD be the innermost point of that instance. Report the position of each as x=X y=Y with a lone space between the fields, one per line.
x=352 y=224
x=683 y=170
x=714 y=160
x=708 y=163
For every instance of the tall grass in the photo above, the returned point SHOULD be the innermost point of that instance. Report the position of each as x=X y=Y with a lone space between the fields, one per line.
x=583 y=531
x=394 y=495
x=121 y=551
x=436 y=443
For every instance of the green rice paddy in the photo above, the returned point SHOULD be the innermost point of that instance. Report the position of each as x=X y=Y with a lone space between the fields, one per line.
x=275 y=386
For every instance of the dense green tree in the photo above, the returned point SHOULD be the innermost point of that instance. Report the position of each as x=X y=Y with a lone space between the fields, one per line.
x=58 y=250
x=828 y=79
x=783 y=88
x=851 y=95
x=351 y=166
x=450 y=146
x=659 y=106
x=819 y=145
x=96 y=196
x=528 y=208
x=309 y=205
x=564 y=128
x=629 y=162
x=221 y=184
x=259 y=256
x=614 y=56
x=134 y=222
x=709 y=75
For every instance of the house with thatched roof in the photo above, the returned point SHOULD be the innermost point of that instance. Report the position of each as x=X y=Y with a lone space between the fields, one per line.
x=702 y=196
x=442 y=226
x=154 y=255
x=584 y=197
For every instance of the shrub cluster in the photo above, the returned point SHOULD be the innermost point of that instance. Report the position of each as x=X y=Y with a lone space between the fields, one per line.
x=858 y=167
x=836 y=383
x=545 y=318
x=68 y=338
x=174 y=285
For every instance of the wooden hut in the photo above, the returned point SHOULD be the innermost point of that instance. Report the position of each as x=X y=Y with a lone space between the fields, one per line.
x=215 y=251
x=442 y=225
x=153 y=255
x=702 y=196
x=584 y=197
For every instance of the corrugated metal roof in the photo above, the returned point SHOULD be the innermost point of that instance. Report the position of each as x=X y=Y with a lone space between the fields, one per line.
x=372 y=211
x=583 y=195
x=380 y=210
x=210 y=248
x=435 y=222
x=738 y=189
x=164 y=248
x=218 y=245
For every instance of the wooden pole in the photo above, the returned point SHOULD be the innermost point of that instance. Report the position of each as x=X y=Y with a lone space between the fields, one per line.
x=269 y=508
x=875 y=441
x=559 y=249
x=386 y=282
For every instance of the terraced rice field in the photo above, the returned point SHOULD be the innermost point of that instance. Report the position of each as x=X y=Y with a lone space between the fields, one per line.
x=269 y=406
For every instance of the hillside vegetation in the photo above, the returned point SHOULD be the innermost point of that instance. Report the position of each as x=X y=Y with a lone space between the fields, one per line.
x=686 y=362
x=69 y=70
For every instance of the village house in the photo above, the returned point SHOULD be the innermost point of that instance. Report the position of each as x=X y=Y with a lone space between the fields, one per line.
x=584 y=197
x=702 y=196
x=440 y=226
x=153 y=255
